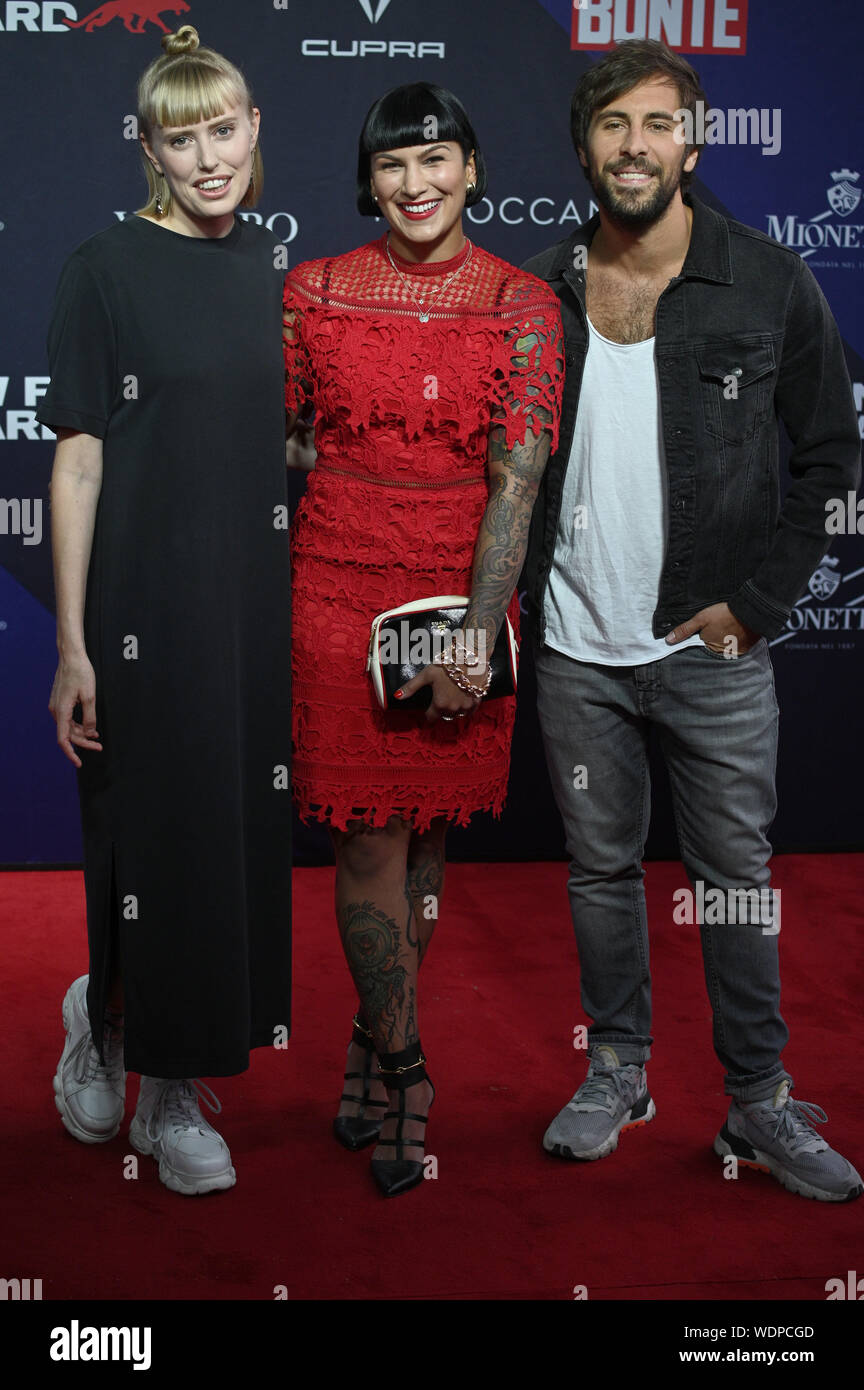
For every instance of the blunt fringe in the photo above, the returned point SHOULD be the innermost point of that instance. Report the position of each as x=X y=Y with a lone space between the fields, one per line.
x=188 y=84
x=617 y=72
x=403 y=117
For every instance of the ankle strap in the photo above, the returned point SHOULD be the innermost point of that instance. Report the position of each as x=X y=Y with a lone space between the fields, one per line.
x=400 y=1070
x=360 y=1035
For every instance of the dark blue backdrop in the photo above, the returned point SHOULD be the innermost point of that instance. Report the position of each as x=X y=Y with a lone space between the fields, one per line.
x=71 y=166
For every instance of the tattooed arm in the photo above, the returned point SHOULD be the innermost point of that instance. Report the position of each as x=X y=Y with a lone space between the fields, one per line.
x=502 y=540
x=514 y=478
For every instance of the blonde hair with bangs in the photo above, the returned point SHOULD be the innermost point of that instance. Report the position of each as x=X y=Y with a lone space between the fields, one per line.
x=185 y=85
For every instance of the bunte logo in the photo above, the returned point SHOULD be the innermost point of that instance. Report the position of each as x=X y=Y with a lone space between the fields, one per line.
x=127 y=11
x=688 y=26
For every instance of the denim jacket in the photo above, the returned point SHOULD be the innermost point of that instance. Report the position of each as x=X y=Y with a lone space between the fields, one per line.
x=742 y=336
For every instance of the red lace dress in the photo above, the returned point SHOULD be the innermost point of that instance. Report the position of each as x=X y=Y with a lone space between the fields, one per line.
x=394 y=504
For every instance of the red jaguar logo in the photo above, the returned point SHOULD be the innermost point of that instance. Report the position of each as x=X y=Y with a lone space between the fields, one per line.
x=123 y=9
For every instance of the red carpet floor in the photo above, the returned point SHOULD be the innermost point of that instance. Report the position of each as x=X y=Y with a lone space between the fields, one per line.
x=656 y=1220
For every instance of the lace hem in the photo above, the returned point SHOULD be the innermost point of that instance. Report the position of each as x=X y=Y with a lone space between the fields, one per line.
x=375 y=803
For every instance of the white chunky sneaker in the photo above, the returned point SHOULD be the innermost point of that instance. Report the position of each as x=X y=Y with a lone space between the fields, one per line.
x=612 y=1098
x=169 y=1126
x=91 y=1098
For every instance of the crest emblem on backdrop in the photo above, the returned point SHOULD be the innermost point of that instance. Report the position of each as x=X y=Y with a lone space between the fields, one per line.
x=843 y=196
x=825 y=580
x=372 y=12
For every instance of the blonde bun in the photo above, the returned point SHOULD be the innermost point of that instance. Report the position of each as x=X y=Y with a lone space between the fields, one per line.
x=184 y=41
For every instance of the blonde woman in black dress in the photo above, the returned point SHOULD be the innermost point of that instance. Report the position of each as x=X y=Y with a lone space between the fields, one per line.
x=172 y=580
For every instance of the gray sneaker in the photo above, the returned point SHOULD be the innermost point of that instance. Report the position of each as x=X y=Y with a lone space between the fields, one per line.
x=611 y=1099
x=776 y=1137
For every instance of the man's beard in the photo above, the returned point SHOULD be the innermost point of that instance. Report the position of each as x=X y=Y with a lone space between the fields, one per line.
x=633 y=209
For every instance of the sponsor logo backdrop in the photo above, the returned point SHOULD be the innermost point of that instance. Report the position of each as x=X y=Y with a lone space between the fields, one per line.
x=71 y=166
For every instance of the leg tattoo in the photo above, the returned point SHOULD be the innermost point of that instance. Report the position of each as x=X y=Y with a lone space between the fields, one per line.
x=425 y=884
x=372 y=944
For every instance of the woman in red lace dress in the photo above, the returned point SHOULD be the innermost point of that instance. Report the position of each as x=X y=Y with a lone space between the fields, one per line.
x=435 y=370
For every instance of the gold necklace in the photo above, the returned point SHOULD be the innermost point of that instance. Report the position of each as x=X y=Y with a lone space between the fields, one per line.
x=420 y=304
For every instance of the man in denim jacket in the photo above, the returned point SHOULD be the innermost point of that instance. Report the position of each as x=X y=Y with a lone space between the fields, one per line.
x=659 y=562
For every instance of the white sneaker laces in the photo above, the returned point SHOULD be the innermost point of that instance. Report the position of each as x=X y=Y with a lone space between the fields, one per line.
x=86 y=1067
x=178 y=1105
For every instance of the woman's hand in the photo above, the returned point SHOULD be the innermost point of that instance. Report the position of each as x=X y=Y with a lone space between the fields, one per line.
x=300 y=449
x=76 y=481
x=75 y=683
x=448 y=701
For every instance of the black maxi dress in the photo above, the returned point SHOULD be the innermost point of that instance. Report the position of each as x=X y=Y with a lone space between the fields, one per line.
x=168 y=348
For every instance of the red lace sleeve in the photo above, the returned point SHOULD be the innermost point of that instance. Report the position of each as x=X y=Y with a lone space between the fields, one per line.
x=298 y=373
x=532 y=375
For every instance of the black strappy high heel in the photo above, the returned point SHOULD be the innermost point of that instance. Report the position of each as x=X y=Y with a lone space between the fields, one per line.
x=357 y=1131
x=399 y=1070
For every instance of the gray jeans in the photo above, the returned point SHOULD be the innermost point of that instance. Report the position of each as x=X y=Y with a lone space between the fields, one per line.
x=716 y=720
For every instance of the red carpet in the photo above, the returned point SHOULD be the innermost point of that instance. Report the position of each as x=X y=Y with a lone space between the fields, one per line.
x=656 y=1220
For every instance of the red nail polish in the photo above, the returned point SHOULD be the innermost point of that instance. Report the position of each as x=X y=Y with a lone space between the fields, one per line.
x=398 y=695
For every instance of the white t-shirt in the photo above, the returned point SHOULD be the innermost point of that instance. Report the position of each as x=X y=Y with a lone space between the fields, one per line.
x=611 y=540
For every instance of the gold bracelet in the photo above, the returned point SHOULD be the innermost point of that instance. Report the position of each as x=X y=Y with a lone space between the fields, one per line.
x=460 y=653
x=466 y=685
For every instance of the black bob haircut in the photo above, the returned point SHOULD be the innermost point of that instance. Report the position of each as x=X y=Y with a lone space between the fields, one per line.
x=405 y=116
